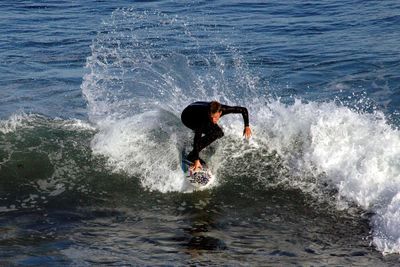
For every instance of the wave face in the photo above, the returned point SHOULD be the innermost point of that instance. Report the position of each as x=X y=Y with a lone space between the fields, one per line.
x=44 y=162
x=139 y=80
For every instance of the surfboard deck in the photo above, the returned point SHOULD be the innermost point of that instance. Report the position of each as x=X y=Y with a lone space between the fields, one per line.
x=199 y=179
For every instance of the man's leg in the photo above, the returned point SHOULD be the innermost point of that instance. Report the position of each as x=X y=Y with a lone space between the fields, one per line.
x=213 y=133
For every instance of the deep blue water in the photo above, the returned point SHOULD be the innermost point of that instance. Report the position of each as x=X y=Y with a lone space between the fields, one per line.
x=90 y=137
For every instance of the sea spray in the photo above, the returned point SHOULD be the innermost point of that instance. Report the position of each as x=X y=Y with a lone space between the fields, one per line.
x=137 y=84
x=147 y=146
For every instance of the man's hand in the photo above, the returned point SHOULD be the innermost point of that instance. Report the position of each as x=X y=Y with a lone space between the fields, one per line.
x=196 y=166
x=247 y=132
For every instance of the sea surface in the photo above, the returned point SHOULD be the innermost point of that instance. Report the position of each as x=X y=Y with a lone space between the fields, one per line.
x=90 y=134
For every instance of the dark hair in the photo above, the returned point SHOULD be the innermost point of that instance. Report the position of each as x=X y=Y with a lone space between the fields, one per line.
x=215 y=107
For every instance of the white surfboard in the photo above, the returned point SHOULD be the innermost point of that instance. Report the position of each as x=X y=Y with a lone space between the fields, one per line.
x=200 y=179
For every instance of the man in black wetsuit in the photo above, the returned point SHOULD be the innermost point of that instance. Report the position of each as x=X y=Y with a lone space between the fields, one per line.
x=202 y=118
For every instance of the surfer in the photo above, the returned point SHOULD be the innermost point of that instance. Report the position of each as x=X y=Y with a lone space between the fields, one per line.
x=202 y=118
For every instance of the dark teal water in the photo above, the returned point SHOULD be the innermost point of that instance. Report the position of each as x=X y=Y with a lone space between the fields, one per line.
x=90 y=136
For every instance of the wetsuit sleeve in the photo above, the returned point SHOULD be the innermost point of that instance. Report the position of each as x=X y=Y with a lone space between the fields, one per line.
x=196 y=143
x=245 y=114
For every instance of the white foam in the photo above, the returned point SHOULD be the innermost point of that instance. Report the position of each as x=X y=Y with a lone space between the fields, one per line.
x=76 y=124
x=359 y=154
x=15 y=121
x=145 y=145
x=23 y=120
x=386 y=232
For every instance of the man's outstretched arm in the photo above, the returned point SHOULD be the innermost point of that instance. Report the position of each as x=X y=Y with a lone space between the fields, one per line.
x=236 y=109
x=245 y=114
x=196 y=144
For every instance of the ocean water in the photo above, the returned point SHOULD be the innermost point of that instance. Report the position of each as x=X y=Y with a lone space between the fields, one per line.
x=90 y=135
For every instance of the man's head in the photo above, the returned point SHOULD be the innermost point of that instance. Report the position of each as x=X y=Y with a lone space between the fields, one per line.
x=215 y=111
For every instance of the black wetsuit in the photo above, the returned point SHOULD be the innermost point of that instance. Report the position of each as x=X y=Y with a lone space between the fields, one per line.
x=196 y=116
